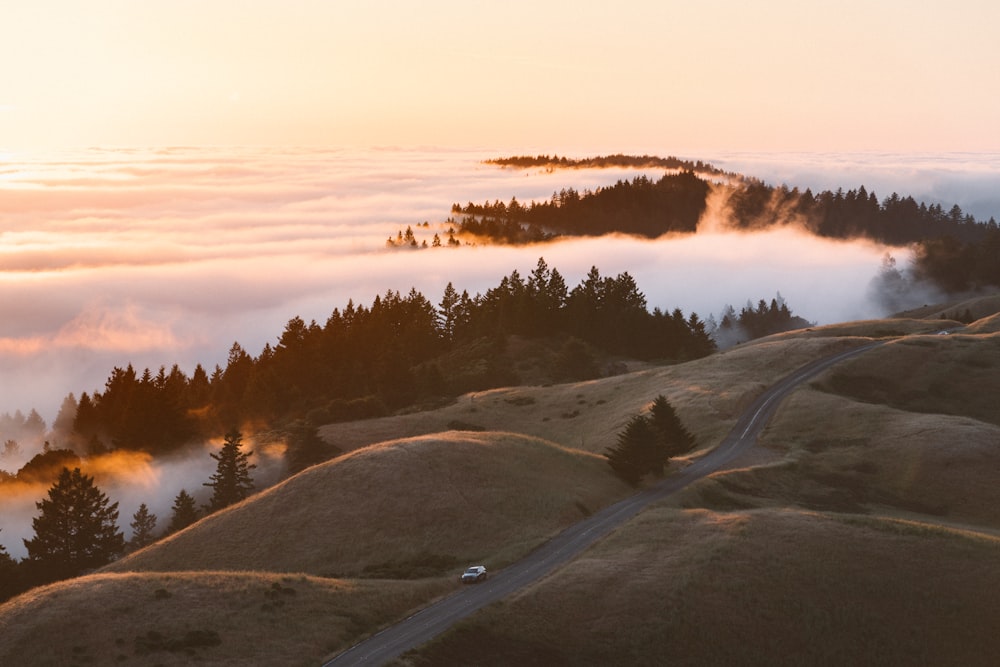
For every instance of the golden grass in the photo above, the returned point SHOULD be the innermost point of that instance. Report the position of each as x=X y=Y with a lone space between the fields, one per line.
x=955 y=374
x=462 y=496
x=859 y=532
x=708 y=394
x=871 y=458
x=767 y=587
x=979 y=307
x=217 y=618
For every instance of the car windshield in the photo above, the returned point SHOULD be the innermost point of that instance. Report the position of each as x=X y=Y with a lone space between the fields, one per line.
x=471 y=570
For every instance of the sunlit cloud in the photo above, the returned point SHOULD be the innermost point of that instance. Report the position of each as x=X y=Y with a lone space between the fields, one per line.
x=971 y=180
x=152 y=258
x=165 y=256
x=124 y=330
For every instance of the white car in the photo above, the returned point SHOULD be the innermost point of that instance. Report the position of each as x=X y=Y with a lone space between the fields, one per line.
x=474 y=574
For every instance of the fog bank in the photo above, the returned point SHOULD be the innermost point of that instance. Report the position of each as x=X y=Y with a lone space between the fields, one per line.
x=169 y=256
x=161 y=257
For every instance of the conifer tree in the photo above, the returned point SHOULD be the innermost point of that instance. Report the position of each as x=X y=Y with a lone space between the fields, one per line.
x=231 y=482
x=637 y=452
x=185 y=512
x=143 y=524
x=10 y=580
x=672 y=436
x=648 y=442
x=76 y=531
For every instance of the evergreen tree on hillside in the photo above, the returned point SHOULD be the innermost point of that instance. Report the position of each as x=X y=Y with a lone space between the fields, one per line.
x=143 y=524
x=672 y=436
x=76 y=531
x=10 y=579
x=185 y=512
x=11 y=450
x=306 y=447
x=648 y=442
x=638 y=452
x=231 y=482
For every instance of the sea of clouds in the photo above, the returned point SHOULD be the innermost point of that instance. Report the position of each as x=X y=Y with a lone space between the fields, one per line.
x=157 y=257
x=169 y=256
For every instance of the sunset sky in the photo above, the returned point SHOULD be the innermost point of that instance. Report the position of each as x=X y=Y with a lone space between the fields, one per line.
x=893 y=75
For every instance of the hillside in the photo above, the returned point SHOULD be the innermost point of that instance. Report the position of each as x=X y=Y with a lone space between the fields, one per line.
x=844 y=526
x=426 y=504
x=868 y=538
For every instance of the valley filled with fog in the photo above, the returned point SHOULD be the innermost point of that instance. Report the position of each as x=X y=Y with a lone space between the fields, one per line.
x=162 y=257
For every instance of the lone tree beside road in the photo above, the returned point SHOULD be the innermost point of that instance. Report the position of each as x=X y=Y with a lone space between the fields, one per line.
x=76 y=531
x=648 y=442
x=231 y=482
x=673 y=437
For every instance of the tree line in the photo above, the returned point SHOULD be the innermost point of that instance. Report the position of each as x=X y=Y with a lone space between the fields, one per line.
x=77 y=528
x=641 y=206
x=608 y=161
x=754 y=322
x=953 y=249
x=365 y=361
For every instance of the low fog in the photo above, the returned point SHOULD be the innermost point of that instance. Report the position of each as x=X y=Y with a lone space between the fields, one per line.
x=134 y=478
x=162 y=257
x=971 y=180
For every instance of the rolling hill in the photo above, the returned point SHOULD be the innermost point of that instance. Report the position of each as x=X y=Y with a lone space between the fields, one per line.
x=861 y=530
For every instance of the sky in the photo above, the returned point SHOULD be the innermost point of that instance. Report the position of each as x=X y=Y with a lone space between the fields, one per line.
x=892 y=75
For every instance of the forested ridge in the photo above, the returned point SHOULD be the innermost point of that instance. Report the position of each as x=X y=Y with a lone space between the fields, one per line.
x=606 y=161
x=953 y=249
x=401 y=350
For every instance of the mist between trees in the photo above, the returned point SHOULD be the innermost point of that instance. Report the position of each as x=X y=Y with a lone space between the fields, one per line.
x=402 y=351
x=77 y=528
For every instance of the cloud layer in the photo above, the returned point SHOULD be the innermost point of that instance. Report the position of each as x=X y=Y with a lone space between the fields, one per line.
x=169 y=256
x=161 y=257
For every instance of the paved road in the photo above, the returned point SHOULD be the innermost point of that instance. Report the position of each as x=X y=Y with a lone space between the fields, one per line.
x=431 y=621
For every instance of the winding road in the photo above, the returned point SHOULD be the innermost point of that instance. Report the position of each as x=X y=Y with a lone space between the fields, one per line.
x=431 y=621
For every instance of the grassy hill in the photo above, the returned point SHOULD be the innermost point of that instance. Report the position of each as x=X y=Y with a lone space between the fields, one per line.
x=862 y=530
x=405 y=508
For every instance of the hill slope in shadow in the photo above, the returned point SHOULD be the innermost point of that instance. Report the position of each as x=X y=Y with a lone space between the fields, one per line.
x=861 y=530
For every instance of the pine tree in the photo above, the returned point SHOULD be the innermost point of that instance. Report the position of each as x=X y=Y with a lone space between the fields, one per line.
x=306 y=447
x=185 y=512
x=76 y=531
x=637 y=452
x=672 y=436
x=10 y=580
x=231 y=482
x=143 y=524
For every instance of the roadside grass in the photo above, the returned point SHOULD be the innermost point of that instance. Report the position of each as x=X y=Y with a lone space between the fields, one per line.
x=216 y=618
x=986 y=325
x=884 y=328
x=956 y=374
x=707 y=393
x=980 y=307
x=415 y=507
x=848 y=536
x=869 y=459
x=764 y=587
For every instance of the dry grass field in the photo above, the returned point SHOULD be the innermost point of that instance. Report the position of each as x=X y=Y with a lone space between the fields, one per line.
x=757 y=587
x=428 y=504
x=213 y=618
x=863 y=529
